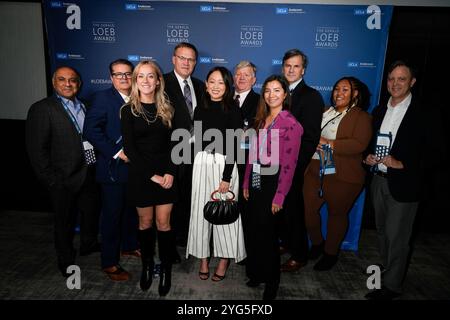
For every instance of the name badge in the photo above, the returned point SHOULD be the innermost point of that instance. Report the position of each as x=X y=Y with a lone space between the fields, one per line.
x=89 y=153
x=256 y=176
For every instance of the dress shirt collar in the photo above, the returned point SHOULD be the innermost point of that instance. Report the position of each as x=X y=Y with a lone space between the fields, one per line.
x=293 y=85
x=402 y=105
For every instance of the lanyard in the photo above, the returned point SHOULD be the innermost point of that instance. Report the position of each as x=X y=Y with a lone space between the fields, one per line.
x=340 y=114
x=327 y=157
x=71 y=115
x=265 y=134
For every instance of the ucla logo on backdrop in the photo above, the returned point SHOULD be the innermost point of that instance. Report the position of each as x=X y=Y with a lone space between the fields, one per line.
x=205 y=60
x=359 y=12
x=61 y=56
x=352 y=64
x=327 y=38
x=281 y=10
x=74 y=20
x=213 y=9
x=251 y=36
x=206 y=8
x=136 y=7
x=56 y=4
x=137 y=58
x=103 y=32
x=131 y=6
x=374 y=20
x=177 y=32
x=277 y=62
x=68 y=56
x=133 y=57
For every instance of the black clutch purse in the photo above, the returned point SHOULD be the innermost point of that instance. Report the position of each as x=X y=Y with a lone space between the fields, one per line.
x=221 y=211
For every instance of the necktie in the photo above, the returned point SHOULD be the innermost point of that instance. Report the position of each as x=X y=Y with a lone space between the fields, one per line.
x=188 y=97
x=236 y=99
x=127 y=99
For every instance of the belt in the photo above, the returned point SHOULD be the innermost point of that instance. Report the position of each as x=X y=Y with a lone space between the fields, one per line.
x=381 y=174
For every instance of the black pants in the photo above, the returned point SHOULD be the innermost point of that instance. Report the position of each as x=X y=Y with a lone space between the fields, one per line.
x=66 y=205
x=263 y=259
x=292 y=228
x=181 y=211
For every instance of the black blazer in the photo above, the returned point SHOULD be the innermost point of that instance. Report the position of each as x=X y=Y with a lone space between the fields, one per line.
x=416 y=145
x=181 y=118
x=249 y=107
x=54 y=145
x=307 y=107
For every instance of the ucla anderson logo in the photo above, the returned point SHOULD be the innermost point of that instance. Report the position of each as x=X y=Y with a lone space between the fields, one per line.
x=130 y=6
x=206 y=9
x=205 y=60
x=277 y=62
x=55 y=4
x=282 y=11
x=61 y=56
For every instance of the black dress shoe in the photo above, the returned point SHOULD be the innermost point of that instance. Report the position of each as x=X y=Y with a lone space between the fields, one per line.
x=382 y=294
x=316 y=251
x=87 y=251
x=252 y=283
x=326 y=262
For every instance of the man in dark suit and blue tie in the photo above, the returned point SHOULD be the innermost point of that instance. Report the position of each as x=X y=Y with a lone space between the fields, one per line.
x=54 y=142
x=119 y=222
x=307 y=107
x=185 y=93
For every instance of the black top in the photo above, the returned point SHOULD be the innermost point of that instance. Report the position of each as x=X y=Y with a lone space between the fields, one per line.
x=213 y=116
x=147 y=145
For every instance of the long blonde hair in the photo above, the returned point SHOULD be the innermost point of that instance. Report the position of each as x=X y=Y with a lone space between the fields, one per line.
x=164 y=109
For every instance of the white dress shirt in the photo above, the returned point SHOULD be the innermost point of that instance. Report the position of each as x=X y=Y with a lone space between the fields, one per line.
x=392 y=120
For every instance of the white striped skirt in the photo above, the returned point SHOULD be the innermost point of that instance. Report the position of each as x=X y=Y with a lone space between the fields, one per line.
x=228 y=240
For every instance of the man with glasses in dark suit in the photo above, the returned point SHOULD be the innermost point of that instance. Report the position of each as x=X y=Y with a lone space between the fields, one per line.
x=118 y=221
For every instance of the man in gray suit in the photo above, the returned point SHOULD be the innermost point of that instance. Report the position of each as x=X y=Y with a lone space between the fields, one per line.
x=58 y=156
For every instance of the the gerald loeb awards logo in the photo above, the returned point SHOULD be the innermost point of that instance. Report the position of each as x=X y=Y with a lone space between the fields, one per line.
x=177 y=32
x=327 y=38
x=104 y=32
x=251 y=36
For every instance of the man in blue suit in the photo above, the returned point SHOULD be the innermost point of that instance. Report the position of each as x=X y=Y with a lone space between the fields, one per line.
x=118 y=222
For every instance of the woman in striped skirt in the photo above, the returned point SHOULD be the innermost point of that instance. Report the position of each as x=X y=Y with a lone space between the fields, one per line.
x=213 y=170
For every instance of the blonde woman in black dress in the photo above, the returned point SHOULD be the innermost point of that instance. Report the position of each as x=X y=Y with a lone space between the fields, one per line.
x=146 y=129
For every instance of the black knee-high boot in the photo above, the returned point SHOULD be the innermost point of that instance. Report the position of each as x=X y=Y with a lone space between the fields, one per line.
x=165 y=245
x=147 y=241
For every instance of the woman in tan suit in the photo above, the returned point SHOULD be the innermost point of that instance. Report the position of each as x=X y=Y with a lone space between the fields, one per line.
x=346 y=132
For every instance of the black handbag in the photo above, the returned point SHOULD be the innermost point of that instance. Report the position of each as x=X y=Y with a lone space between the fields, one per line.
x=221 y=211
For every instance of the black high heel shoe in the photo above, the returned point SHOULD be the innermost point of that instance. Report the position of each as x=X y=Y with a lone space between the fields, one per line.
x=217 y=277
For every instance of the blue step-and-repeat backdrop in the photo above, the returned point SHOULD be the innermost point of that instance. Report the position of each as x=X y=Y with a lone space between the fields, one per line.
x=338 y=39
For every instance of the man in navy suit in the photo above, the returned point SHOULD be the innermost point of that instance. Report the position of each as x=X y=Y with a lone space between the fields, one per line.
x=57 y=153
x=118 y=222
x=413 y=134
x=179 y=85
x=307 y=107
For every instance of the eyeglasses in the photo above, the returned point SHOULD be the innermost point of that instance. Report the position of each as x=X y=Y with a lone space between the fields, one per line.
x=120 y=75
x=183 y=59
